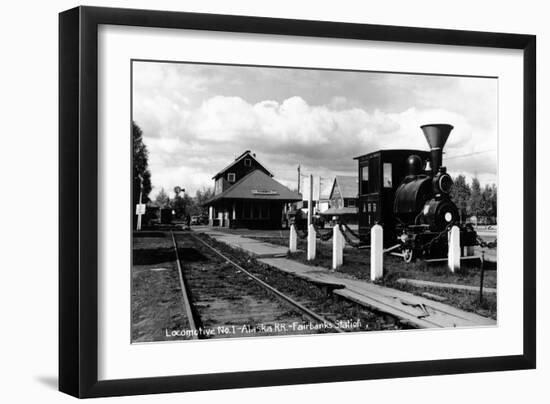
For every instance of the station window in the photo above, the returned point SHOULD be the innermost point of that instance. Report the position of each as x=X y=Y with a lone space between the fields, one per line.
x=387 y=175
x=231 y=177
x=351 y=203
x=247 y=163
x=218 y=187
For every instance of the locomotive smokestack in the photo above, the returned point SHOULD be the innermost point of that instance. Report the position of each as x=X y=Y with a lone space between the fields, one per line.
x=436 y=135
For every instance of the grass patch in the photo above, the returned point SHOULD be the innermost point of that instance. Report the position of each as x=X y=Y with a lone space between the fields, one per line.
x=462 y=299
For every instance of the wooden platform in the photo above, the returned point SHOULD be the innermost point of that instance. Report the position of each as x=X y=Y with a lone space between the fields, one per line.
x=255 y=248
x=415 y=310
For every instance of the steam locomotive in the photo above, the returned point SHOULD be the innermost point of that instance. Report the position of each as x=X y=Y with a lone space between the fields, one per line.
x=408 y=193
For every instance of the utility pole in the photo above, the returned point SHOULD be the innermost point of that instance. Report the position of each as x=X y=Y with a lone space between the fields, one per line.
x=310 y=202
x=299 y=178
x=319 y=196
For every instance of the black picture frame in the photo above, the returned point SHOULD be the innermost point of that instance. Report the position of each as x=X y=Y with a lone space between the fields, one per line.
x=78 y=196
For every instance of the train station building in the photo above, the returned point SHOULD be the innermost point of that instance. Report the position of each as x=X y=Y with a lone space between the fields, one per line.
x=247 y=196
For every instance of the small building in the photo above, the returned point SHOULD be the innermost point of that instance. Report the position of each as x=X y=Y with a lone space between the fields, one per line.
x=246 y=195
x=343 y=198
x=344 y=192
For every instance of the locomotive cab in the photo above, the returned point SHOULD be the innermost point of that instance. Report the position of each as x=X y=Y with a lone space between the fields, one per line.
x=380 y=174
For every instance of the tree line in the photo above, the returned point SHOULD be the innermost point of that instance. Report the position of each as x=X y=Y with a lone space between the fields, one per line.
x=141 y=176
x=183 y=204
x=473 y=200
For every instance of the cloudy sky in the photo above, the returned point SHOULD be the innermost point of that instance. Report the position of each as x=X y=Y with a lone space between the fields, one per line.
x=197 y=118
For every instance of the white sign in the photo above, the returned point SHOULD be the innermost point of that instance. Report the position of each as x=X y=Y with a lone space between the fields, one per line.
x=140 y=209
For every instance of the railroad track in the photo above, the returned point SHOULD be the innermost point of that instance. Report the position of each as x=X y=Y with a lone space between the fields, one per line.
x=206 y=291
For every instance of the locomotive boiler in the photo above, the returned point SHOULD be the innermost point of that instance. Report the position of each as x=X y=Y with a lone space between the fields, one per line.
x=408 y=193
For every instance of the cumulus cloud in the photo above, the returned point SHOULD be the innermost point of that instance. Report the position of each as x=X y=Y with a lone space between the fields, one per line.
x=196 y=119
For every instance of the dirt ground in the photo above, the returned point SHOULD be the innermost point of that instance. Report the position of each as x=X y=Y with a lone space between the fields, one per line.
x=156 y=291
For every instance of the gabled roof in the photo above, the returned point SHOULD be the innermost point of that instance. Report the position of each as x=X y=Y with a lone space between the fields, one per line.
x=347 y=185
x=247 y=154
x=257 y=185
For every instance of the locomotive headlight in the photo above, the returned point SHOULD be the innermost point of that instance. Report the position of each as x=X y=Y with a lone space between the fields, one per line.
x=448 y=217
x=445 y=183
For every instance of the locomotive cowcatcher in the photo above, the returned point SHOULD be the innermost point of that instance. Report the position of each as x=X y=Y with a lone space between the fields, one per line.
x=407 y=191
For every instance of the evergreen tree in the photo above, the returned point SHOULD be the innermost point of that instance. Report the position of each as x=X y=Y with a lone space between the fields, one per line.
x=460 y=194
x=204 y=194
x=488 y=206
x=475 y=204
x=140 y=167
x=201 y=196
x=494 y=201
x=162 y=199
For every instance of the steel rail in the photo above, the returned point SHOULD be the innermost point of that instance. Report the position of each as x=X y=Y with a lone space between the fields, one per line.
x=186 y=301
x=303 y=309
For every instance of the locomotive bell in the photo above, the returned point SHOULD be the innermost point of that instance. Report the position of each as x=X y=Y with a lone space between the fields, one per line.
x=436 y=136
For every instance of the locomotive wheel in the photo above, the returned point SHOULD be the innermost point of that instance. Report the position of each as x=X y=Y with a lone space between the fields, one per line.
x=408 y=255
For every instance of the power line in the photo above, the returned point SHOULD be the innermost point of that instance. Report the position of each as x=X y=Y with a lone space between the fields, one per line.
x=469 y=154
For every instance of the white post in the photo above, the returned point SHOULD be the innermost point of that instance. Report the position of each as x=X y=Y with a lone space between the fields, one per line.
x=299 y=178
x=319 y=196
x=139 y=218
x=337 y=247
x=210 y=215
x=454 y=249
x=293 y=247
x=310 y=202
x=311 y=243
x=376 y=252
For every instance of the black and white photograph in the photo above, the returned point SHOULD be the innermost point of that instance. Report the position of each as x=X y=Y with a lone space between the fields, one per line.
x=277 y=201
x=282 y=202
